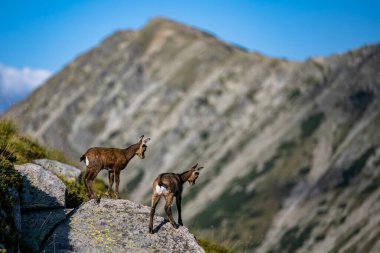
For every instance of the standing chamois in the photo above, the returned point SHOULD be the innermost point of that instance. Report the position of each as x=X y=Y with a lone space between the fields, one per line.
x=170 y=185
x=112 y=159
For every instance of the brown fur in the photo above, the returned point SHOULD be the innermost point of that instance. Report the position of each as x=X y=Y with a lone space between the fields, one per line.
x=174 y=184
x=112 y=159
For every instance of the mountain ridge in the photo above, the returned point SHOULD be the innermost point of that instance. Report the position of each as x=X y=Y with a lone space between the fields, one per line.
x=270 y=132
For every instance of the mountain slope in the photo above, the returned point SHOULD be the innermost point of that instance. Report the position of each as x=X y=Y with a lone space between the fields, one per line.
x=280 y=140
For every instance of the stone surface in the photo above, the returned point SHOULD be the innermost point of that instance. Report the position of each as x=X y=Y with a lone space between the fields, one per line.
x=118 y=226
x=41 y=188
x=37 y=224
x=60 y=169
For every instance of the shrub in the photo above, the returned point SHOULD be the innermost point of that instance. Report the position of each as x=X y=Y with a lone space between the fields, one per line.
x=311 y=124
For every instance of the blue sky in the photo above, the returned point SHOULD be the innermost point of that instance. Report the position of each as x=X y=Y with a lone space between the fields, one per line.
x=49 y=34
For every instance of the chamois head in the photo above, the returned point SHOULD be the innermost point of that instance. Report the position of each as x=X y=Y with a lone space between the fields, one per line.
x=142 y=147
x=194 y=174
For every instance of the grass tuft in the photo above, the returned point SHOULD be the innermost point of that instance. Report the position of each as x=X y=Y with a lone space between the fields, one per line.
x=211 y=247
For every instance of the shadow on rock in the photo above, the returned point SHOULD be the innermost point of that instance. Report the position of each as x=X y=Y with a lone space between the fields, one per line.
x=42 y=204
x=156 y=229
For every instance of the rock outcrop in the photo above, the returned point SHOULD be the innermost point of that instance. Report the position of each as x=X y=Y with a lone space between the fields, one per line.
x=41 y=188
x=118 y=226
x=112 y=226
x=60 y=169
x=43 y=202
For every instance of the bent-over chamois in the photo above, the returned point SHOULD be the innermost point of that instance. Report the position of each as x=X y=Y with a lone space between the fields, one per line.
x=112 y=159
x=170 y=185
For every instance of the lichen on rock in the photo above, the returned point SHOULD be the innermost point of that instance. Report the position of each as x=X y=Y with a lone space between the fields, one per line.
x=119 y=226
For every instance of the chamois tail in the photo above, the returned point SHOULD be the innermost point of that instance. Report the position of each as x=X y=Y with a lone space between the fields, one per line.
x=160 y=180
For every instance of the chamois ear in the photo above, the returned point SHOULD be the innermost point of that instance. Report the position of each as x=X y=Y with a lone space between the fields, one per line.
x=194 y=166
x=146 y=140
x=199 y=168
x=141 y=138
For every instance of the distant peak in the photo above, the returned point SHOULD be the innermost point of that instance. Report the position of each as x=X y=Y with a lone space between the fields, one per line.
x=161 y=23
x=162 y=20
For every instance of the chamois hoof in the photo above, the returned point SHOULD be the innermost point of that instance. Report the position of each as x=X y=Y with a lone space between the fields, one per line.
x=174 y=225
x=97 y=200
x=150 y=231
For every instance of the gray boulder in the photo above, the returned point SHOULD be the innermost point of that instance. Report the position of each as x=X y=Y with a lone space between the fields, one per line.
x=41 y=188
x=42 y=205
x=60 y=169
x=36 y=225
x=118 y=226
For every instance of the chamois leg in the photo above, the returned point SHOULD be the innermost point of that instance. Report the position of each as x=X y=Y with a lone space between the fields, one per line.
x=168 y=209
x=88 y=183
x=178 y=200
x=117 y=181
x=155 y=199
x=85 y=176
x=90 y=180
x=111 y=177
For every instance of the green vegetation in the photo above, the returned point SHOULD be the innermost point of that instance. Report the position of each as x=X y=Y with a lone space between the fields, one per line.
x=18 y=149
x=370 y=243
x=362 y=99
x=256 y=195
x=294 y=94
x=320 y=237
x=365 y=193
x=226 y=158
x=346 y=237
x=296 y=237
x=311 y=80
x=304 y=171
x=356 y=167
x=8 y=179
x=210 y=247
x=76 y=193
x=204 y=134
x=311 y=124
x=286 y=146
x=23 y=148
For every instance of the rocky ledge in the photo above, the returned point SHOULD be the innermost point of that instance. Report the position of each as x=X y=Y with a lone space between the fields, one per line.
x=47 y=225
x=118 y=226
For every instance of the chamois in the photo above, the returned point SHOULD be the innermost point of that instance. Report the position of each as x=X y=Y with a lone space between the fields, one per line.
x=112 y=159
x=170 y=185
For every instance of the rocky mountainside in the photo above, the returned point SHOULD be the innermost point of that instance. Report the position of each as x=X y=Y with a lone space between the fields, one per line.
x=47 y=224
x=290 y=149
